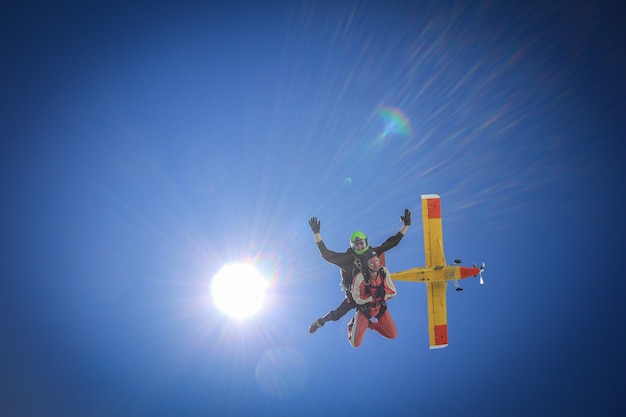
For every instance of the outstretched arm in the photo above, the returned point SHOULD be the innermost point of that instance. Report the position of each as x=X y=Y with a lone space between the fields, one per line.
x=343 y=260
x=395 y=239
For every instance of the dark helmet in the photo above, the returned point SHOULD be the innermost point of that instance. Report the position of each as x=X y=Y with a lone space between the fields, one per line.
x=367 y=255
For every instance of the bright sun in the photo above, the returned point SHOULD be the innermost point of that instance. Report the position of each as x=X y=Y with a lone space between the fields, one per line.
x=238 y=290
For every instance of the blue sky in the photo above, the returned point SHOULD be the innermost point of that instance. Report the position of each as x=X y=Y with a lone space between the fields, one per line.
x=144 y=146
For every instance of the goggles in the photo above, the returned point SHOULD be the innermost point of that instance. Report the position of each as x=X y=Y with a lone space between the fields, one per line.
x=359 y=243
x=373 y=262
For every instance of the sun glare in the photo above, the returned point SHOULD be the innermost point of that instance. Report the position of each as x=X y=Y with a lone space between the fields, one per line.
x=238 y=290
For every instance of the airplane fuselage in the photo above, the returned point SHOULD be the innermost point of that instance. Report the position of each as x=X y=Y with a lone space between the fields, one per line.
x=435 y=274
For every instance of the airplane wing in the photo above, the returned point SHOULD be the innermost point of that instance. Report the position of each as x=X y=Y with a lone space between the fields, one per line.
x=433 y=231
x=437 y=314
x=435 y=291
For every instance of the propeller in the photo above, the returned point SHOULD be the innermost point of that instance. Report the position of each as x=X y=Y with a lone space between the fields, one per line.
x=482 y=268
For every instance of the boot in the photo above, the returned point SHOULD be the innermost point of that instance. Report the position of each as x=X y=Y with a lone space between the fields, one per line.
x=316 y=325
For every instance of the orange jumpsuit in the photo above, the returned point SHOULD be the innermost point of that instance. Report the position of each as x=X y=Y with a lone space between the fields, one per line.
x=371 y=306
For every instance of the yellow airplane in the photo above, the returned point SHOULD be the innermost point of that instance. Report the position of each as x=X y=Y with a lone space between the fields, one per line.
x=436 y=273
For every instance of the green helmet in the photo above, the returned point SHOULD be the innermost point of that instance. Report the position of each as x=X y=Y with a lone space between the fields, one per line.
x=358 y=242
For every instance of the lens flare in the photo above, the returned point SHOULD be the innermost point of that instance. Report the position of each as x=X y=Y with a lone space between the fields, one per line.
x=395 y=122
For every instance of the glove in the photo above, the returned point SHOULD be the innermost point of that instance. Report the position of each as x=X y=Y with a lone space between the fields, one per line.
x=315 y=224
x=406 y=219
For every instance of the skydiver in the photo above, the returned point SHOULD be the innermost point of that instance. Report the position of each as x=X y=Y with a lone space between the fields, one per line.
x=371 y=289
x=349 y=263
